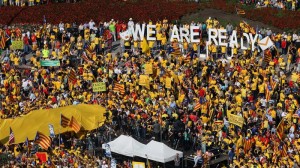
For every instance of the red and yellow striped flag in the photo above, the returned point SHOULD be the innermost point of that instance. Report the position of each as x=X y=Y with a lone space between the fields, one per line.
x=247 y=145
x=3 y=40
x=197 y=106
x=119 y=88
x=43 y=140
x=64 y=121
x=72 y=77
x=280 y=129
x=272 y=83
x=267 y=93
x=75 y=125
x=284 y=151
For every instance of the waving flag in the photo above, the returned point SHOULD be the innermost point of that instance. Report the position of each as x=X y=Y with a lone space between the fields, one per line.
x=145 y=47
x=43 y=140
x=11 y=139
x=3 y=39
x=85 y=58
x=265 y=43
x=125 y=35
x=268 y=94
x=119 y=88
x=197 y=106
x=75 y=125
x=247 y=144
x=280 y=129
x=72 y=76
x=64 y=121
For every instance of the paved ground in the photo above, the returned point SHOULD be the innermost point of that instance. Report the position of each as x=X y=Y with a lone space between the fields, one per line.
x=223 y=18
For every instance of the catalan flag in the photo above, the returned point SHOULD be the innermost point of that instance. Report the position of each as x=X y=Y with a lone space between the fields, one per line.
x=160 y=118
x=280 y=129
x=197 y=106
x=284 y=151
x=89 y=49
x=64 y=121
x=119 y=88
x=75 y=125
x=176 y=50
x=72 y=76
x=275 y=149
x=3 y=40
x=85 y=58
x=267 y=57
x=247 y=144
x=43 y=140
x=11 y=139
x=268 y=94
x=272 y=83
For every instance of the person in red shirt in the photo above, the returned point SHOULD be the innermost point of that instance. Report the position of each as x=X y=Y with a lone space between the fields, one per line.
x=26 y=44
x=284 y=46
x=201 y=95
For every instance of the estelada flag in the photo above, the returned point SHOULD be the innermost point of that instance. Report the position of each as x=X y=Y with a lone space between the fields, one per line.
x=247 y=145
x=75 y=125
x=280 y=129
x=43 y=140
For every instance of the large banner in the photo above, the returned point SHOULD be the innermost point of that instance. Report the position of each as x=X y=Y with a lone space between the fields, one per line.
x=236 y=120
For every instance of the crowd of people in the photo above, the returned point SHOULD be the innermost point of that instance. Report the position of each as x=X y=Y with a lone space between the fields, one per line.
x=280 y=4
x=32 y=2
x=186 y=102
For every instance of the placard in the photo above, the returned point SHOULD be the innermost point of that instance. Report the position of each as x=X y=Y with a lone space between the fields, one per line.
x=99 y=87
x=50 y=63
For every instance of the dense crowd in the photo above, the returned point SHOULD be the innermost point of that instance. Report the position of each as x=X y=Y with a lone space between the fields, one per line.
x=191 y=113
x=280 y=4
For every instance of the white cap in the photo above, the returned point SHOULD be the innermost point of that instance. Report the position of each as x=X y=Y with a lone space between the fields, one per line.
x=130 y=19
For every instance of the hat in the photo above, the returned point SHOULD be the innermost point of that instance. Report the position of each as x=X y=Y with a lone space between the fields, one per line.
x=130 y=19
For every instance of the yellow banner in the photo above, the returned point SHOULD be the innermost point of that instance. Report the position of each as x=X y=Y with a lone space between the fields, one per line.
x=168 y=83
x=99 y=87
x=148 y=69
x=144 y=81
x=138 y=165
x=17 y=45
x=236 y=120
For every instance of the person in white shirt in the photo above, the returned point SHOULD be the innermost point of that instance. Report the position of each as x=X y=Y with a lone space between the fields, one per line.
x=61 y=26
x=130 y=25
x=91 y=24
